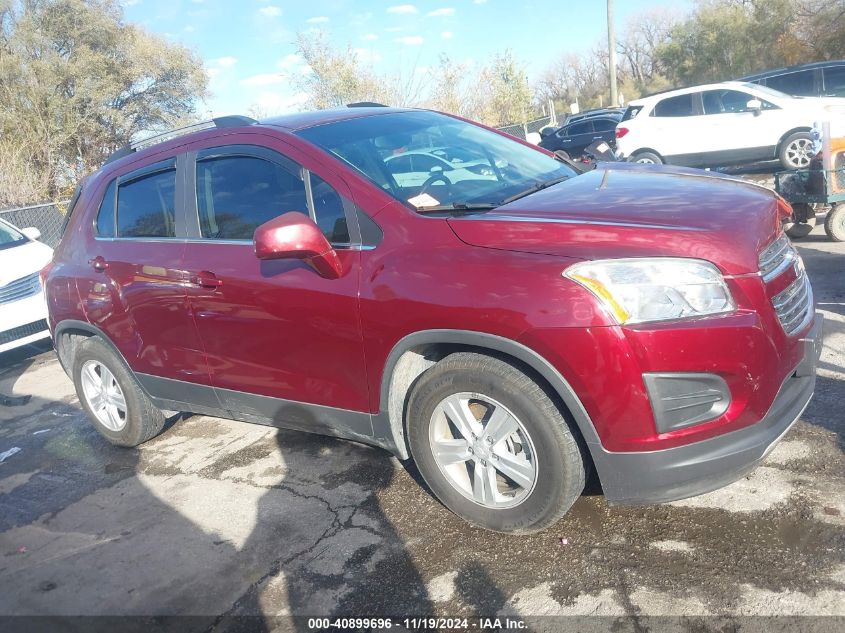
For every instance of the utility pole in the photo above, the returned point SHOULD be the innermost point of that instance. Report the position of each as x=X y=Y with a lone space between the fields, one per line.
x=611 y=54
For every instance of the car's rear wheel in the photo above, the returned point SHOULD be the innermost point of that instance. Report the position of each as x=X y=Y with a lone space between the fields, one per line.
x=112 y=397
x=796 y=151
x=646 y=158
x=492 y=445
x=834 y=223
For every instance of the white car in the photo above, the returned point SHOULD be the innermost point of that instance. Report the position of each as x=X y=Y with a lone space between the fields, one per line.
x=720 y=124
x=413 y=169
x=23 y=311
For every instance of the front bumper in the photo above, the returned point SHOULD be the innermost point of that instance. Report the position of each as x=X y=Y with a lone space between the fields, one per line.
x=23 y=321
x=693 y=469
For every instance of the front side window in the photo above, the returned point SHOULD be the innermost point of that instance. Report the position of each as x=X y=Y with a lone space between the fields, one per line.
x=10 y=236
x=452 y=162
x=328 y=211
x=146 y=206
x=237 y=194
x=675 y=106
x=800 y=83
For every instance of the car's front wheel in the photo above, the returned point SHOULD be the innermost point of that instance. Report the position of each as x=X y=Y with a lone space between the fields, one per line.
x=112 y=397
x=492 y=445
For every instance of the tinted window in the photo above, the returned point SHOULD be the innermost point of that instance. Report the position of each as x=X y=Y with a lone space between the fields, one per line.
x=631 y=112
x=675 y=106
x=798 y=83
x=604 y=125
x=328 y=210
x=9 y=236
x=584 y=127
x=834 y=81
x=145 y=206
x=236 y=194
x=105 y=216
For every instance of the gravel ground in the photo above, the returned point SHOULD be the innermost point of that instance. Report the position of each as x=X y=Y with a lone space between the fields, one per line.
x=216 y=518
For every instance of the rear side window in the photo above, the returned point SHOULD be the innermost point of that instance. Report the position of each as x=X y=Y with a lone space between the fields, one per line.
x=146 y=206
x=604 y=125
x=834 y=81
x=798 y=83
x=105 y=216
x=631 y=111
x=328 y=211
x=675 y=106
x=236 y=194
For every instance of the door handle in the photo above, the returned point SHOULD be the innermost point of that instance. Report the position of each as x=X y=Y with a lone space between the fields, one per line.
x=206 y=279
x=98 y=263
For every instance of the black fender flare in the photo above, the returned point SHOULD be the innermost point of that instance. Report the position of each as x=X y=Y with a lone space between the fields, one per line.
x=383 y=425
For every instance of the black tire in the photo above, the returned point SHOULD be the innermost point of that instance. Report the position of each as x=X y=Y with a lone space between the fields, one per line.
x=143 y=420
x=834 y=223
x=559 y=461
x=792 y=154
x=803 y=221
x=646 y=158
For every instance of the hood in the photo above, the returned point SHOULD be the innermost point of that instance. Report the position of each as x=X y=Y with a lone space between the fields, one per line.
x=632 y=210
x=25 y=259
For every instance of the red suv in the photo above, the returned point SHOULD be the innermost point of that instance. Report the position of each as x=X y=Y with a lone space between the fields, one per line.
x=417 y=282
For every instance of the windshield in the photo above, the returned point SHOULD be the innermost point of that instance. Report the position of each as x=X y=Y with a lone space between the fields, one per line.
x=10 y=236
x=777 y=94
x=426 y=159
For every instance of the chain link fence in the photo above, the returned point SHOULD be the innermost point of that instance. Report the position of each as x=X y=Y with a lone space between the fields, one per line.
x=47 y=218
x=522 y=130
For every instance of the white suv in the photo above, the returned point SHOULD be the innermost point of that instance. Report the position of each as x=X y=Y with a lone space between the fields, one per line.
x=23 y=311
x=720 y=124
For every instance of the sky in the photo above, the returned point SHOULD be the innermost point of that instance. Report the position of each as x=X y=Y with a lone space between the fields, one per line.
x=249 y=52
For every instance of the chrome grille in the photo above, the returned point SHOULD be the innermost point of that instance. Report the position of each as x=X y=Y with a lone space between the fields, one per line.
x=776 y=258
x=20 y=288
x=794 y=305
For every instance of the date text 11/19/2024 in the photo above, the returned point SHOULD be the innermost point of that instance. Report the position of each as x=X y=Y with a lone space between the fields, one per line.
x=417 y=624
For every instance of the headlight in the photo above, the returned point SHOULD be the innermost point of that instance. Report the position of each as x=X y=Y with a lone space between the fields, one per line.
x=654 y=289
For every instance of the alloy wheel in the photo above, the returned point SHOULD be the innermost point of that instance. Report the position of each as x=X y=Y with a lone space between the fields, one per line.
x=103 y=395
x=799 y=152
x=483 y=450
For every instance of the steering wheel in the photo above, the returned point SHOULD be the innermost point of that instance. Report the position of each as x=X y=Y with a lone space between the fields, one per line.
x=433 y=179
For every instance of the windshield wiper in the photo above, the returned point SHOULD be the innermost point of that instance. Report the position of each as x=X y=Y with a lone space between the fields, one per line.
x=458 y=206
x=535 y=188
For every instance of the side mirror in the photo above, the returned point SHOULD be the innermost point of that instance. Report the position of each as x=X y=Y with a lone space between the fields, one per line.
x=32 y=233
x=755 y=105
x=294 y=235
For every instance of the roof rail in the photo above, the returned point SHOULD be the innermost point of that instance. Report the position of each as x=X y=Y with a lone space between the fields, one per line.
x=219 y=122
x=365 y=104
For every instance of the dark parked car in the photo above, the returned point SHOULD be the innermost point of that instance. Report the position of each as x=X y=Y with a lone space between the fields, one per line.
x=510 y=333
x=576 y=135
x=819 y=79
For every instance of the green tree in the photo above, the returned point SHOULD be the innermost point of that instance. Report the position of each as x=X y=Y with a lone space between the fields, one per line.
x=76 y=82
x=504 y=94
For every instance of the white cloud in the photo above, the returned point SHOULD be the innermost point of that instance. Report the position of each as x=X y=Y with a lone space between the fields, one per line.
x=410 y=40
x=212 y=72
x=441 y=13
x=318 y=19
x=263 y=79
x=370 y=37
x=189 y=29
x=289 y=61
x=446 y=35
x=270 y=11
x=226 y=62
x=274 y=103
x=479 y=1
x=403 y=9
x=394 y=29
x=366 y=55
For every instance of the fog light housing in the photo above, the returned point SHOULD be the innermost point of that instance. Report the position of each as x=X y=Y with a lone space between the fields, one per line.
x=683 y=399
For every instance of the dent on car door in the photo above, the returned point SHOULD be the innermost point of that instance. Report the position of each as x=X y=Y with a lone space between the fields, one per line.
x=133 y=288
x=275 y=332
